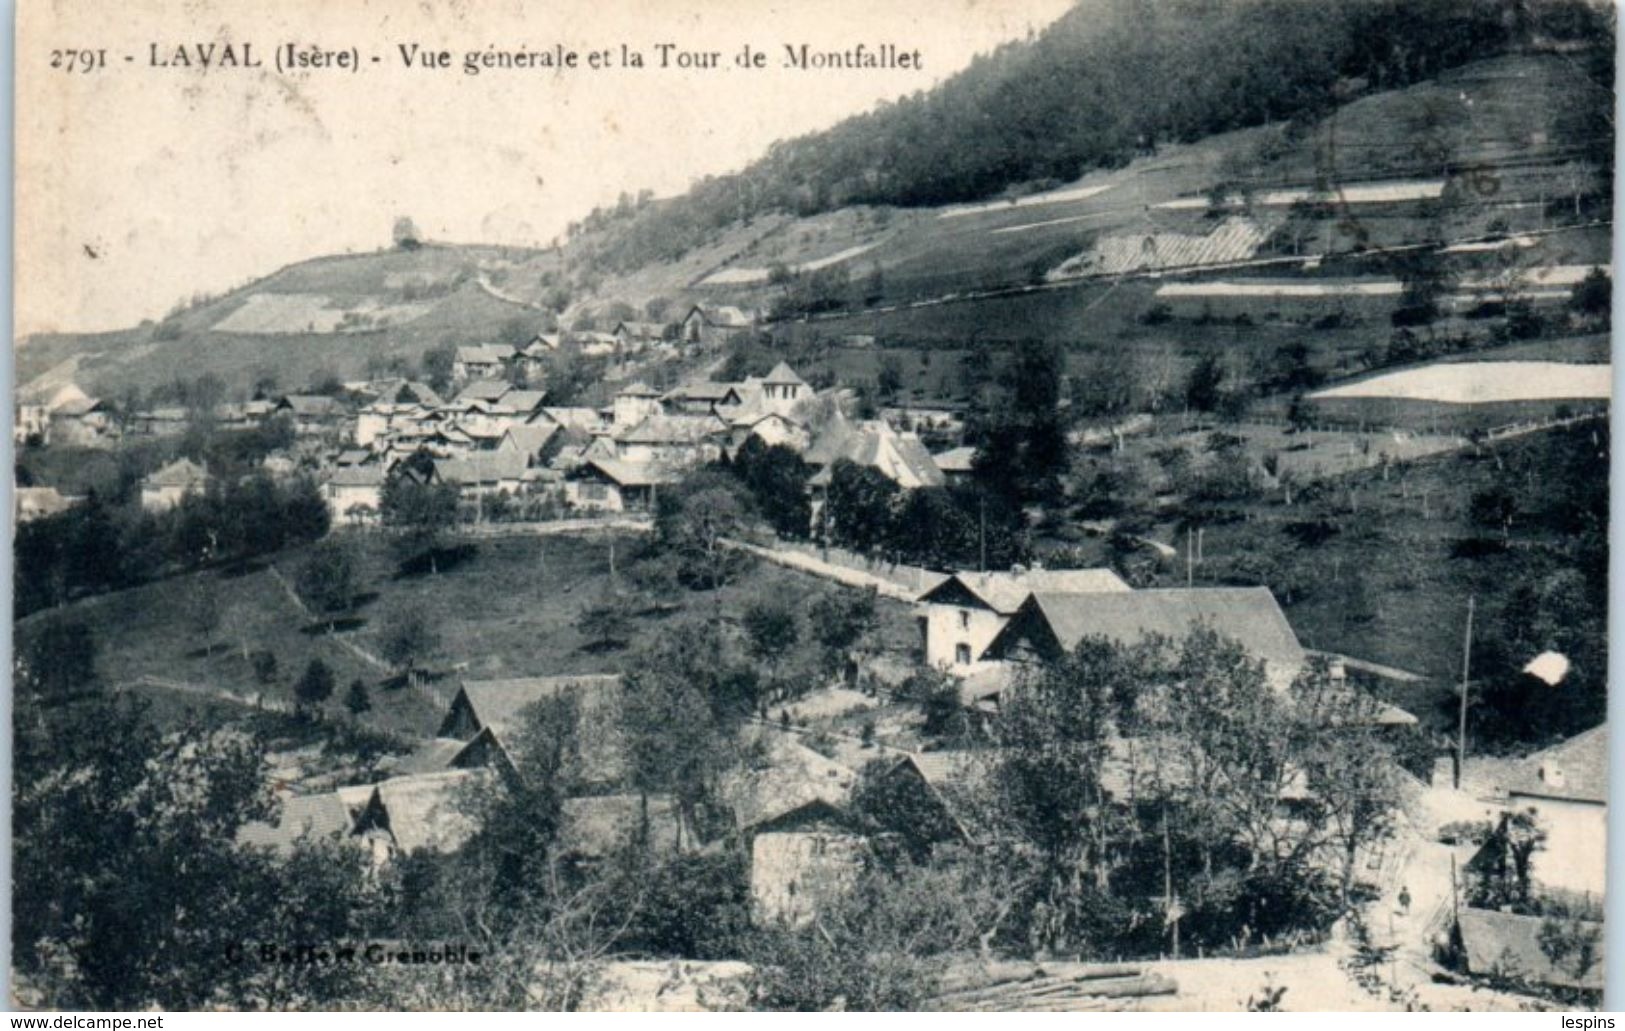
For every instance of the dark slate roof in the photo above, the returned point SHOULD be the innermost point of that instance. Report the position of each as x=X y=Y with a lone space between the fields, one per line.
x=671 y=429
x=497 y=703
x=485 y=390
x=1576 y=770
x=315 y=816
x=1248 y=615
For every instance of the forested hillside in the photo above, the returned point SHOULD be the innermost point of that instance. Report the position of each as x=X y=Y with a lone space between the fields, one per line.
x=1109 y=80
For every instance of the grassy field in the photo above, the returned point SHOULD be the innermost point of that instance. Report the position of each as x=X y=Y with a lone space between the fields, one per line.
x=1390 y=581
x=509 y=610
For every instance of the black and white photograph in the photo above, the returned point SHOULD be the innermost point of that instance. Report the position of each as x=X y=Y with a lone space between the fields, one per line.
x=866 y=505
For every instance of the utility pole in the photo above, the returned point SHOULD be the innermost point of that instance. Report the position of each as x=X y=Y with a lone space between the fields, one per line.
x=1189 y=558
x=1466 y=669
x=981 y=497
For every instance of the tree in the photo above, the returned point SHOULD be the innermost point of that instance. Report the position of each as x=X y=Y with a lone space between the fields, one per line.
x=1202 y=389
x=436 y=365
x=56 y=661
x=265 y=666
x=356 y=698
x=409 y=638
x=1593 y=296
x=405 y=234
x=839 y=620
x=770 y=632
x=777 y=479
x=314 y=686
x=126 y=864
x=328 y=581
x=889 y=380
x=697 y=518
x=607 y=624
x=423 y=511
x=859 y=506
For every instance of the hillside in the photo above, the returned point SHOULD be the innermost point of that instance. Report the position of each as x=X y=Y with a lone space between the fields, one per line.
x=1498 y=160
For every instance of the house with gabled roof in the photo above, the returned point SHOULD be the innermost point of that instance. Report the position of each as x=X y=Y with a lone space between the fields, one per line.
x=960 y=617
x=164 y=489
x=424 y=812
x=487 y=714
x=701 y=398
x=604 y=484
x=674 y=440
x=1048 y=625
x=83 y=421
x=900 y=457
x=715 y=325
x=481 y=361
x=636 y=337
x=488 y=390
x=1565 y=787
x=354 y=494
x=312 y=414
x=634 y=403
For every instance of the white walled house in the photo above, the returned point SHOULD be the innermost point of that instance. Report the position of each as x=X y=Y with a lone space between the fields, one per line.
x=961 y=616
x=1566 y=787
x=164 y=489
x=636 y=403
x=354 y=494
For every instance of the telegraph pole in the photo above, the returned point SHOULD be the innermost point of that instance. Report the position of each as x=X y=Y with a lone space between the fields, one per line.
x=1466 y=669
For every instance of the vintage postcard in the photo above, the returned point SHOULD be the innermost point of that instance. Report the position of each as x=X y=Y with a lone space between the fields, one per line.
x=1044 y=505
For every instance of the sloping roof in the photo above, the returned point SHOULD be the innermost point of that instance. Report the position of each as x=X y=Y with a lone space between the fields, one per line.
x=315 y=816
x=486 y=467
x=312 y=405
x=431 y=756
x=956 y=460
x=579 y=418
x=525 y=401
x=497 y=703
x=75 y=407
x=485 y=353
x=783 y=375
x=634 y=474
x=1004 y=592
x=642 y=330
x=670 y=429
x=597 y=826
x=704 y=391
x=529 y=439
x=900 y=457
x=725 y=316
x=1575 y=770
x=1249 y=615
x=485 y=390
x=1509 y=944
x=792 y=777
x=357 y=476
x=638 y=389
x=421 y=811
x=180 y=473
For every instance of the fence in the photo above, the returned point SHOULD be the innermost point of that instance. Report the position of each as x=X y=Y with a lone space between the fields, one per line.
x=912 y=578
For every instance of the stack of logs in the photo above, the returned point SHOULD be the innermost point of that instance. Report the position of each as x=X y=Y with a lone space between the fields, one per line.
x=1064 y=988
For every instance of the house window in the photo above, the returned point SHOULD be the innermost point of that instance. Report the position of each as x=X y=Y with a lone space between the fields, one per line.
x=962 y=654
x=964 y=619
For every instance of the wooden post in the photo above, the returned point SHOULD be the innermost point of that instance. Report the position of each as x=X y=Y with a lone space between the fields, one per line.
x=1466 y=668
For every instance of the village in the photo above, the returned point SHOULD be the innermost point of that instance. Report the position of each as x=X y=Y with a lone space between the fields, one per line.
x=494 y=449
x=1165 y=574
